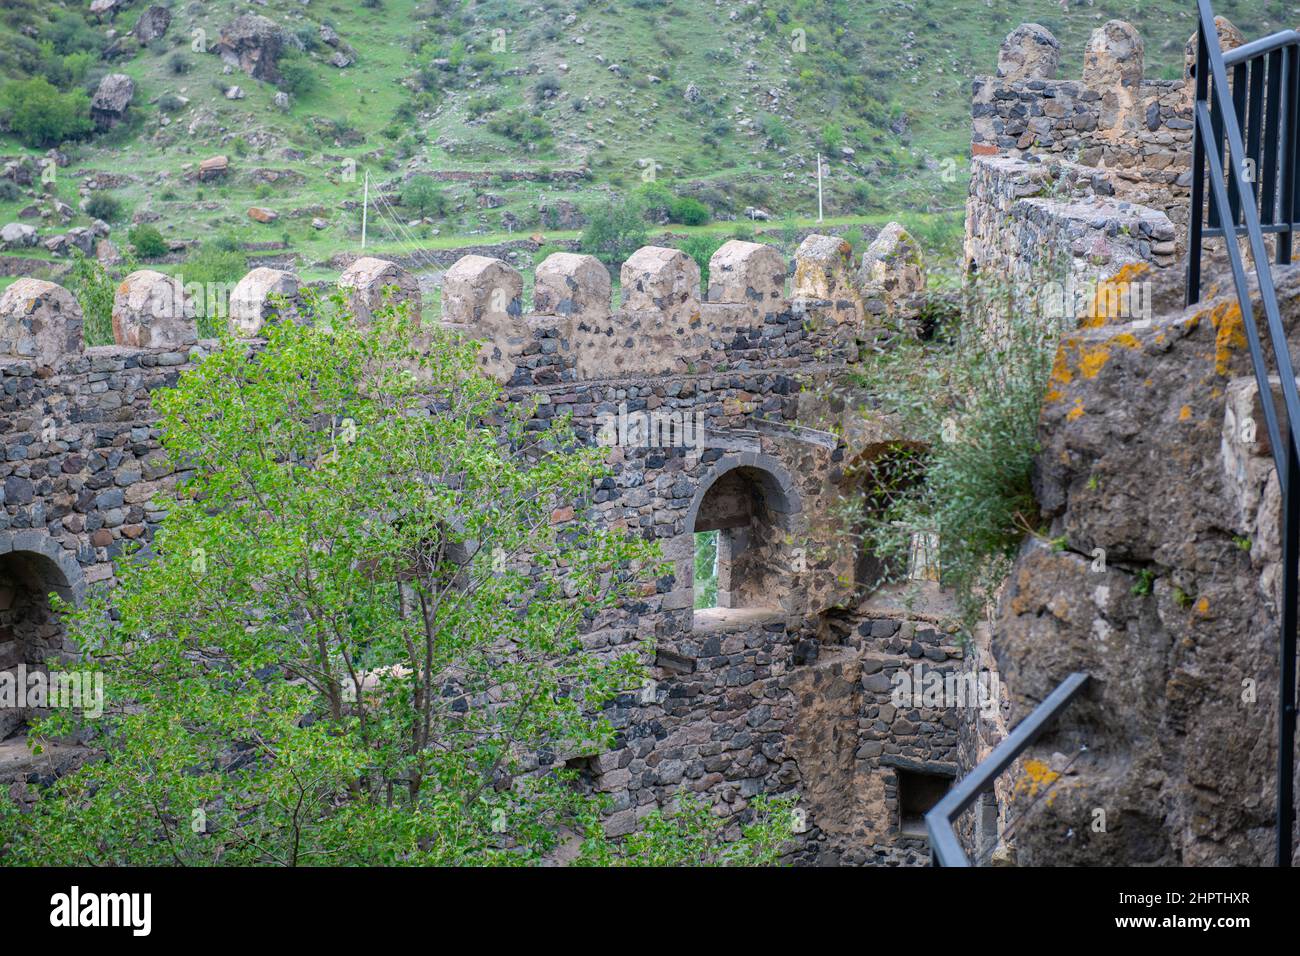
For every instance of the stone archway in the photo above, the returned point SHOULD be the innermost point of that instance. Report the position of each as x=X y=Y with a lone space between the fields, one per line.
x=753 y=504
x=32 y=566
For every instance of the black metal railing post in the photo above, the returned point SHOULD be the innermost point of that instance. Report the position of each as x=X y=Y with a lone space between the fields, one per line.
x=1287 y=659
x=945 y=848
x=1240 y=206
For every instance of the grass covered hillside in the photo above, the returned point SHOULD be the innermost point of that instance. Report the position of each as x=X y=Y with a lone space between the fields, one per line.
x=479 y=120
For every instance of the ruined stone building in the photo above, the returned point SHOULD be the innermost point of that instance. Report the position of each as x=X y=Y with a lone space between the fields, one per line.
x=785 y=685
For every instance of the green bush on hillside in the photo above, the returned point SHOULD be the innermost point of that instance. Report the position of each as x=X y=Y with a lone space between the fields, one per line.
x=105 y=207
x=216 y=266
x=147 y=242
x=297 y=76
x=40 y=115
x=688 y=211
x=519 y=126
x=701 y=248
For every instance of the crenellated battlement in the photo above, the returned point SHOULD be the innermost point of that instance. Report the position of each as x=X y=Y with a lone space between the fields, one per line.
x=664 y=323
x=1095 y=170
x=1135 y=130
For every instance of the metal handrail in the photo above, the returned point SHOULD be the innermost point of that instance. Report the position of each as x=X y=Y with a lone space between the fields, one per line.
x=945 y=848
x=1268 y=44
x=1265 y=97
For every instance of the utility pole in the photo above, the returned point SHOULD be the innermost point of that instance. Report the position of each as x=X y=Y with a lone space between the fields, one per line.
x=365 y=204
x=819 y=187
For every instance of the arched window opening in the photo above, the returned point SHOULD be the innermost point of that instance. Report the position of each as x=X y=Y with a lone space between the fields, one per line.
x=30 y=631
x=741 y=534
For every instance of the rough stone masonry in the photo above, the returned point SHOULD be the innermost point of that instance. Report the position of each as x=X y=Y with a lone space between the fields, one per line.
x=783 y=688
x=787 y=685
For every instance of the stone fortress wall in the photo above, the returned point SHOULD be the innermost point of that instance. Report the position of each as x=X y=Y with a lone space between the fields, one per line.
x=786 y=686
x=1095 y=170
x=783 y=688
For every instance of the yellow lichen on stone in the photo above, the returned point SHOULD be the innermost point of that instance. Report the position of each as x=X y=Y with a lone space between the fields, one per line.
x=1076 y=412
x=1111 y=294
x=1061 y=374
x=1038 y=776
x=1229 y=334
x=1092 y=359
x=1184 y=413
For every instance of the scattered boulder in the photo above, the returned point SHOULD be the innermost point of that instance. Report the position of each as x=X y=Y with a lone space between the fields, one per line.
x=370 y=282
x=691 y=94
x=105 y=8
x=1030 y=52
x=79 y=238
x=253 y=300
x=23 y=170
x=18 y=235
x=340 y=59
x=112 y=97
x=252 y=43
x=262 y=214
x=107 y=253
x=82 y=238
x=153 y=24
x=214 y=167
x=562 y=214
x=152 y=310
x=235 y=93
x=282 y=101
x=40 y=321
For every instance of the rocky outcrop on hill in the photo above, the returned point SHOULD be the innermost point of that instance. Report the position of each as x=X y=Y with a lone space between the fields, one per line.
x=1159 y=581
x=253 y=44
x=112 y=97
x=153 y=24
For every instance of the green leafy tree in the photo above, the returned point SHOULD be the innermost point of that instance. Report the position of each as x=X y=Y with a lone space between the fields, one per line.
x=832 y=137
x=973 y=397
x=356 y=638
x=614 y=230
x=40 y=115
x=422 y=196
